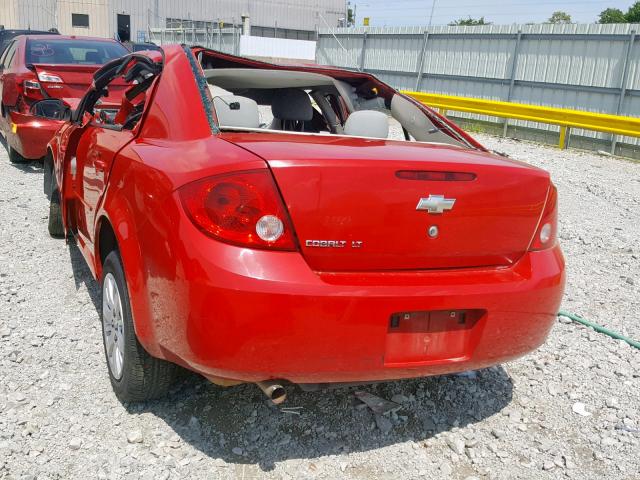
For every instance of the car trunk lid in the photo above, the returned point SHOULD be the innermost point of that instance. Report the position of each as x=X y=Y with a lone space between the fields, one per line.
x=354 y=210
x=76 y=79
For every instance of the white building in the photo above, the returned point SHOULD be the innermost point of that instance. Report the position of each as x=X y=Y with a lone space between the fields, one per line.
x=131 y=19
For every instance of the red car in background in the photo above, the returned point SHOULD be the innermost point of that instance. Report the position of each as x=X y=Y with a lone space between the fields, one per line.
x=255 y=223
x=41 y=76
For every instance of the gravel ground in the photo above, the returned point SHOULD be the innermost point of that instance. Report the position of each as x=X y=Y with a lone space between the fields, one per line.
x=571 y=409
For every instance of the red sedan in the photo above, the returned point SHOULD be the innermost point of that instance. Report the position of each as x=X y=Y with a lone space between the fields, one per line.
x=41 y=77
x=255 y=223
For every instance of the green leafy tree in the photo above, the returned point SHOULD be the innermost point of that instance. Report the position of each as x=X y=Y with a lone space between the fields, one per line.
x=612 y=15
x=633 y=14
x=470 y=22
x=350 y=19
x=560 y=17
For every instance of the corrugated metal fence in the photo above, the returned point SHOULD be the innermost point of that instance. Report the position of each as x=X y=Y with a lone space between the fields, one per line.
x=584 y=67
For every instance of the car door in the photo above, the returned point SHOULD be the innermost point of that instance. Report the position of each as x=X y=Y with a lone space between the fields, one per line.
x=8 y=75
x=103 y=129
x=6 y=78
x=95 y=154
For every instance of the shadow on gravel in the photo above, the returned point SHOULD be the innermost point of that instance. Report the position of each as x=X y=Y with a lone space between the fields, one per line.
x=28 y=166
x=216 y=420
x=82 y=274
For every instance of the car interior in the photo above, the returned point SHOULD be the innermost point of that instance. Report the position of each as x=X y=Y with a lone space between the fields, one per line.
x=310 y=103
x=139 y=72
x=52 y=108
x=264 y=100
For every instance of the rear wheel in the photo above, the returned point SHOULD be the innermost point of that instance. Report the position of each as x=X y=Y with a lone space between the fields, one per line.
x=56 y=228
x=48 y=174
x=14 y=156
x=135 y=375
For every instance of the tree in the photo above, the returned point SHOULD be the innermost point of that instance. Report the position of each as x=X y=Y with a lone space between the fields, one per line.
x=350 y=19
x=633 y=14
x=470 y=22
x=612 y=15
x=560 y=17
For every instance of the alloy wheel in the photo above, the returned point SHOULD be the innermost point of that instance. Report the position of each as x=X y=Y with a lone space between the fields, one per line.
x=113 y=325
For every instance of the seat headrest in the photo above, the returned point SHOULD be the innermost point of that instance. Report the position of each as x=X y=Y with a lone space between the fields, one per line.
x=216 y=91
x=367 y=123
x=93 y=57
x=292 y=104
x=235 y=111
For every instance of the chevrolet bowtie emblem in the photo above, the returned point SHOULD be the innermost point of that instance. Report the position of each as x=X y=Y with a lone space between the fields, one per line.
x=436 y=204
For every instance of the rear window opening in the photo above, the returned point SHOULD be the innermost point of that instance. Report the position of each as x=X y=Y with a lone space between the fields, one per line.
x=72 y=52
x=274 y=100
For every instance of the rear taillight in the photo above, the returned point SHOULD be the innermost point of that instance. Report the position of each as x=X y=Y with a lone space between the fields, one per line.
x=546 y=234
x=32 y=90
x=31 y=84
x=47 y=77
x=242 y=208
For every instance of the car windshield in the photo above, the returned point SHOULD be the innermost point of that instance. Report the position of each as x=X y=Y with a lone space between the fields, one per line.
x=73 y=52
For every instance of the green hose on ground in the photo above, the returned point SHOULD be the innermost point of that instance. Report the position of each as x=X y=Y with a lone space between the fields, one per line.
x=599 y=328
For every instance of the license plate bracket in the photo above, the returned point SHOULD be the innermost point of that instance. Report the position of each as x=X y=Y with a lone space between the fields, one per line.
x=425 y=336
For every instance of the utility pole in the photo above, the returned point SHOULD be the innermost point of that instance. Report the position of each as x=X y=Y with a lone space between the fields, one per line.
x=433 y=8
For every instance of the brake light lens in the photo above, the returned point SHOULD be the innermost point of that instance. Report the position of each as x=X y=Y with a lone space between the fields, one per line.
x=31 y=84
x=241 y=208
x=546 y=234
x=435 y=176
x=32 y=91
x=47 y=77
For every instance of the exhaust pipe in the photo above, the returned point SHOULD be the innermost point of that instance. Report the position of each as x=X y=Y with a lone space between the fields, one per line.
x=273 y=390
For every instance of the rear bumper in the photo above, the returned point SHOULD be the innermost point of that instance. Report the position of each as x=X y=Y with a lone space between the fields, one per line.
x=29 y=135
x=252 y=315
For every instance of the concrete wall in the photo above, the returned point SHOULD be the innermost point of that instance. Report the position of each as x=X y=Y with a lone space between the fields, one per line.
x=98 y=11
x=37 y=15
x=307 y=15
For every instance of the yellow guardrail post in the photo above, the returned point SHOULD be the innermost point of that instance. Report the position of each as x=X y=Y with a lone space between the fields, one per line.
x=563 y=138
x=565 y=118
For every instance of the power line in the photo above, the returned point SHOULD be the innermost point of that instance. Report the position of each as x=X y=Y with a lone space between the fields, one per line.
x=528 y=3
x=502 y=14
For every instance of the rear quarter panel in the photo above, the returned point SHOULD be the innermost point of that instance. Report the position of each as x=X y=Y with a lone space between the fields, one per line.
x=32 y=134
x=175 y=146
x=140 y=191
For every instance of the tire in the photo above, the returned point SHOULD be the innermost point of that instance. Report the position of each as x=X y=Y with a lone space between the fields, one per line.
x=14 y=156
x=56 y=229
x=135 y=375
x=48 y=174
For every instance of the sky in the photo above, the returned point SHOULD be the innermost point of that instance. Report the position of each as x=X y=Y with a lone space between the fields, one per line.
x=417 y=12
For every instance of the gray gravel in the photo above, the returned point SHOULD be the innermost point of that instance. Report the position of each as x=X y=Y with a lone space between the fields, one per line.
x=570 y=409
